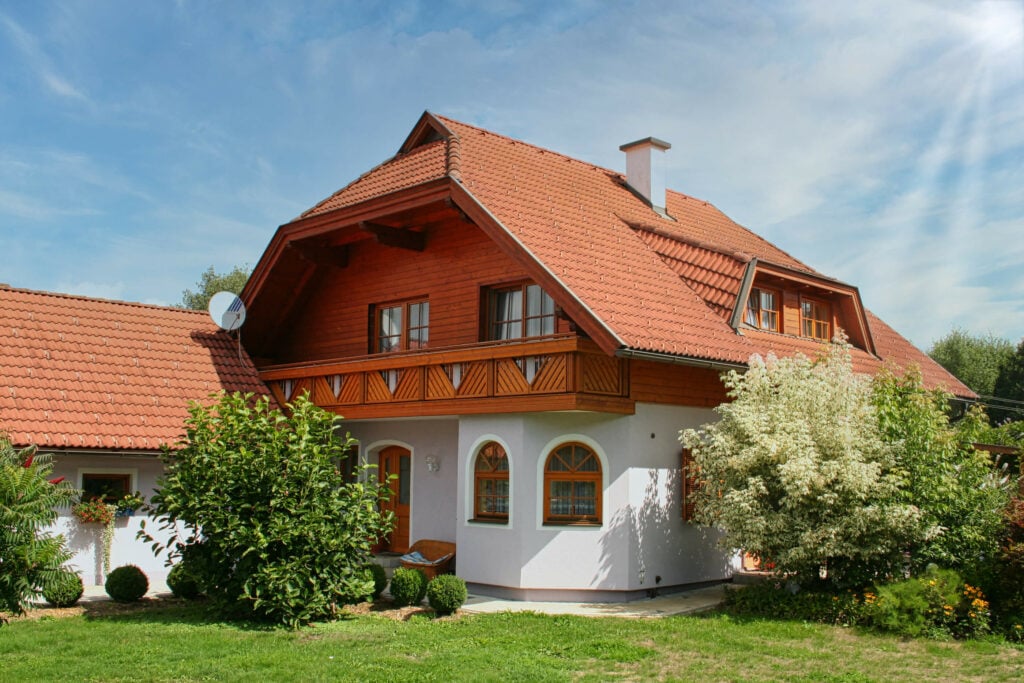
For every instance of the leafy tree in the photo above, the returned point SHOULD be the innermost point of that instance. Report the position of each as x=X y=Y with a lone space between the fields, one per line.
x=1010 y=385
x=795 y=471
x=960 y=494
x=210 y=282
x=823 y=471
x=974 y=360
x=30 y=559
x=272 y=528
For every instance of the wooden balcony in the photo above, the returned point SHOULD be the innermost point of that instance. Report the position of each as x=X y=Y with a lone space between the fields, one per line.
x=550 y=374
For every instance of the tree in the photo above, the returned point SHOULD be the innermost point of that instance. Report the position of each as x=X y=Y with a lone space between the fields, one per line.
x=29 y=557
x=960 y=494
x=825 y=472
x=273 y=528
x=795 y=471
x=974 y=360
x=210 y=282
x=1010 y=385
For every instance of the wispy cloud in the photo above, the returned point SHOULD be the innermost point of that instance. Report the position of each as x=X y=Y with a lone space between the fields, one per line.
x=38 y=62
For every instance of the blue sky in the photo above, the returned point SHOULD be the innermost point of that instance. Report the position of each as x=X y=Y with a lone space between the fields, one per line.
x=880 y=142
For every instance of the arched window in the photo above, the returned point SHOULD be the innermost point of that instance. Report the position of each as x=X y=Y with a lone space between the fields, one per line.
x=490 y=492
x=572 y=486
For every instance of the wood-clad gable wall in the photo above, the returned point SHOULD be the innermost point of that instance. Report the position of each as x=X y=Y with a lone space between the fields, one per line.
x=457 y=262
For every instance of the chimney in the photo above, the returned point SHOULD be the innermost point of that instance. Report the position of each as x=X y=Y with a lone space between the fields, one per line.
x=645 y=170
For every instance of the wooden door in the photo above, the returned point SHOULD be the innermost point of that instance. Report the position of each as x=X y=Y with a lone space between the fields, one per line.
x=396 y=461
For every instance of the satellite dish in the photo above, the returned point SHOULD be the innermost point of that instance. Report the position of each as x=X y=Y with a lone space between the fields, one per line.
x=227 y=310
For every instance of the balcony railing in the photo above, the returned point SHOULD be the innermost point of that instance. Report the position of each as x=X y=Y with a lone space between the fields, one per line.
x=550 y=374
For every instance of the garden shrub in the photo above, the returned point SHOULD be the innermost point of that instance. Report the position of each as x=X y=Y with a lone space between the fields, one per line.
x=936 y=603
x=29 y=557
x=182 y=583
x=275 y=528
x=126 y=584
x=380 y=579
x=786 y=600
x=65 y=590
x=446 y=593
x=408 y=586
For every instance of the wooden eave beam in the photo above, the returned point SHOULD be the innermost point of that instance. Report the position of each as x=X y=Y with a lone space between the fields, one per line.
x=319 y=254
x=312 y=226
x=395 y=237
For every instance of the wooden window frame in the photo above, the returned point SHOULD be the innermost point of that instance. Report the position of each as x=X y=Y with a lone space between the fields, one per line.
x=405 y=342
x=755 y=295
x=575 y=476
x=815 y=322
x=487 y=452
x=110 y=498
x=490 y=323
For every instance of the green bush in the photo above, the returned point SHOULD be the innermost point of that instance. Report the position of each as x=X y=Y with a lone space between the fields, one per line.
x=182 y=583
x=446 y=593
x=276 y=529
x=31 y=557
x=126 y=584
x=936 y=603
x=782 y=600
x=408 y=586
x=380 y=579
x=65 y=590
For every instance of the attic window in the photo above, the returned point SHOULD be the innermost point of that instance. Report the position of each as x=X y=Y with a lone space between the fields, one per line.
x=763 y=309
x=815 y=319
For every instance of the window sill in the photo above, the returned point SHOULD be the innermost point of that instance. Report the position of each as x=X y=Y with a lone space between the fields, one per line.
x=585 y=525
x=492 y=522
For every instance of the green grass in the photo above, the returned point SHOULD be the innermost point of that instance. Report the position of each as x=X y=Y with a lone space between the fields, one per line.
x=179 y=643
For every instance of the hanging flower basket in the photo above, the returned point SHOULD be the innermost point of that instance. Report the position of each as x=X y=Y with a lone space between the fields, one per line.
x=93 y=511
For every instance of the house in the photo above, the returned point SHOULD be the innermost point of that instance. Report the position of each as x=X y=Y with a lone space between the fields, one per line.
x=103 y=385
x=517 y=337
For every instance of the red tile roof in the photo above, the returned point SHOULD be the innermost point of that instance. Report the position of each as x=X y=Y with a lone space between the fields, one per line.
x=658 y=284
x=82 y=373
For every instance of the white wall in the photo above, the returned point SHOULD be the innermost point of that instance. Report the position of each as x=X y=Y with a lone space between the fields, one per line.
x=433 y=512
x=85 y=540
x=642 y=535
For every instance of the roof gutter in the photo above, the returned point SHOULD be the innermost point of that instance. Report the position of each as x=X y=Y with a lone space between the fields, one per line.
x=658 y=357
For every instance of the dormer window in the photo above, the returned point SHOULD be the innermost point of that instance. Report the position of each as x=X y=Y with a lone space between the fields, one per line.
x=763 y=309
x=815 y=319
x=401 y=326
x=525 y=310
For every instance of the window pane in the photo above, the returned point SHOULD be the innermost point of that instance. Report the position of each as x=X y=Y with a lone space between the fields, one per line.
x=585 y=494
x=533 y=300
x=403 y=480
x=753 y=302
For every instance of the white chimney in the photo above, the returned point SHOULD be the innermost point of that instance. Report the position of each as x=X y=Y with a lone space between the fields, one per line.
x=645 y=169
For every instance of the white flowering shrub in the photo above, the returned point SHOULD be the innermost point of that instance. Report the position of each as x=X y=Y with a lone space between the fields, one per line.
x=797 y=473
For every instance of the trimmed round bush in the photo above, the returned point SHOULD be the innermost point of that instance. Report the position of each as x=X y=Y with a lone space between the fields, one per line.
x=65 y=590
x=126 y=584
x=380 y=579
x=182 y=583
x=408 y=586
x=446 y=593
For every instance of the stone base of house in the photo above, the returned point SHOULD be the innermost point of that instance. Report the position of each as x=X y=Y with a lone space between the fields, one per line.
x=583 y=595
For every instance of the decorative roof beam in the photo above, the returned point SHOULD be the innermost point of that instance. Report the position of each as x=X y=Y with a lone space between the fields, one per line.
x=395 y=237
x=321 y=254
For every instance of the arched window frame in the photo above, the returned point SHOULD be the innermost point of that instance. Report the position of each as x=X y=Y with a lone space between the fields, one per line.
x=576 y=476
x=487 y=452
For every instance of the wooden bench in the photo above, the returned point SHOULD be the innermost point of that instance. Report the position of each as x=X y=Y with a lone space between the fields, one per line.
x=437 y=555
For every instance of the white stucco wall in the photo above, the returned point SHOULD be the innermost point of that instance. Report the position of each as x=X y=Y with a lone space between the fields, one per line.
x=85 y=540
x=433 y=512
x=642 y=535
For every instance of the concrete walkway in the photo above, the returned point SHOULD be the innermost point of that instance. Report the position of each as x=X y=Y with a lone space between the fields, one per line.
x=688 y=602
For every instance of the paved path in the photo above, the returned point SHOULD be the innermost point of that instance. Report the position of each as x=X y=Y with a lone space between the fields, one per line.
x=688 y=602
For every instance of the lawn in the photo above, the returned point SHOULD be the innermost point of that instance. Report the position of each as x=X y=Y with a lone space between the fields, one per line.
x=178 y=642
